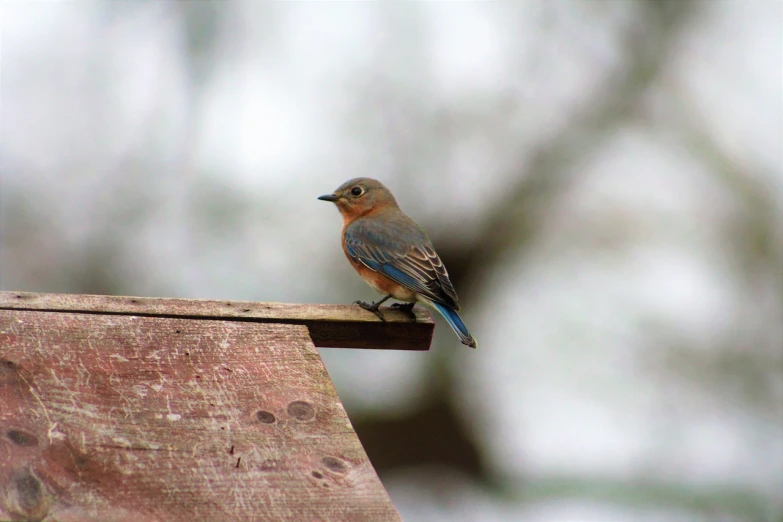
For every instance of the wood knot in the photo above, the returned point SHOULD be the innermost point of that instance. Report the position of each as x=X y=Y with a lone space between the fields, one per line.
x=301 y=410
x=22 y=438
x=334 y=464
x=26 y=496
x=265 y=417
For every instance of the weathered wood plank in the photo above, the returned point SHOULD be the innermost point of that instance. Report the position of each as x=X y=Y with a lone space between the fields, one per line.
x=129 y=418
x=331 y=326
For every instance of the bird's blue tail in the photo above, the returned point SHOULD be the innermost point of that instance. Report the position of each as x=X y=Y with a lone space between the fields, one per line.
x=454 y=320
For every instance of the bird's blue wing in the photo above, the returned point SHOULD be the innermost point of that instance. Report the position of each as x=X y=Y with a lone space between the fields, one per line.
x=397 y=248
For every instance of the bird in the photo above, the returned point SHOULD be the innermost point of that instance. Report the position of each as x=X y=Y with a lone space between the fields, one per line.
x=393 y=254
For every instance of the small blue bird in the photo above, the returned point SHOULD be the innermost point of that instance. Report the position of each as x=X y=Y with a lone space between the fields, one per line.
x=393 y=254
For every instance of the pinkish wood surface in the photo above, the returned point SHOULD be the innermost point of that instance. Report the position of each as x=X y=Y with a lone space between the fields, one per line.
x=129 y=418
x=330 y=326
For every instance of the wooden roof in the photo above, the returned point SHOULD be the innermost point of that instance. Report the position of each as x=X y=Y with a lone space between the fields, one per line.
x=119 y=408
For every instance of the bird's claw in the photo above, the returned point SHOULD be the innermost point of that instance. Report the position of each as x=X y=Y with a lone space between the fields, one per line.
x=371 y=308
x=406 y=307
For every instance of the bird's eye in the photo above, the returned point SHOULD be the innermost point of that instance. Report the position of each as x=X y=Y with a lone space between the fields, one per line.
x=357 y=191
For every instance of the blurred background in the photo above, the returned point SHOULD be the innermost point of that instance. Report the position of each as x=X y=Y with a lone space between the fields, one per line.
x=603 y=180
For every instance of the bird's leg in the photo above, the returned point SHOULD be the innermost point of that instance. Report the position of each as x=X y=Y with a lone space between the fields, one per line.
x=406 y=307
x=374 y=307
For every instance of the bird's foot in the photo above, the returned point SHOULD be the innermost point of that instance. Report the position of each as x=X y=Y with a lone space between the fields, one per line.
x=371 y=308
x=406 y=307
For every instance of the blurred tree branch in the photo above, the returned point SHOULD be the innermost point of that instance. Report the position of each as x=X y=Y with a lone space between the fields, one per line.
x=518 y=217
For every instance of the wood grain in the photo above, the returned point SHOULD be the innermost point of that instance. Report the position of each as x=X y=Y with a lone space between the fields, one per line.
x=330 y=326
x=128 y=418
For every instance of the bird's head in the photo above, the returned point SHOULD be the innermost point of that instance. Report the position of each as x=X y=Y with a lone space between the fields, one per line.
x=359 y=196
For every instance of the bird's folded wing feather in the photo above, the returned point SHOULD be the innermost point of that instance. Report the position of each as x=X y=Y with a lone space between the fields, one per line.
x=400 y=250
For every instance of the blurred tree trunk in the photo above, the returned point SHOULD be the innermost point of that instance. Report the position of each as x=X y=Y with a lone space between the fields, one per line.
x=435 y=433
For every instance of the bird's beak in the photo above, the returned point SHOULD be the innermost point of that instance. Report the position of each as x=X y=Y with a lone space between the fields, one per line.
x=328 y=197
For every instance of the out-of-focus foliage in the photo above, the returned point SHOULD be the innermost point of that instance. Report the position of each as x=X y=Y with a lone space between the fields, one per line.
x=603 y=180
